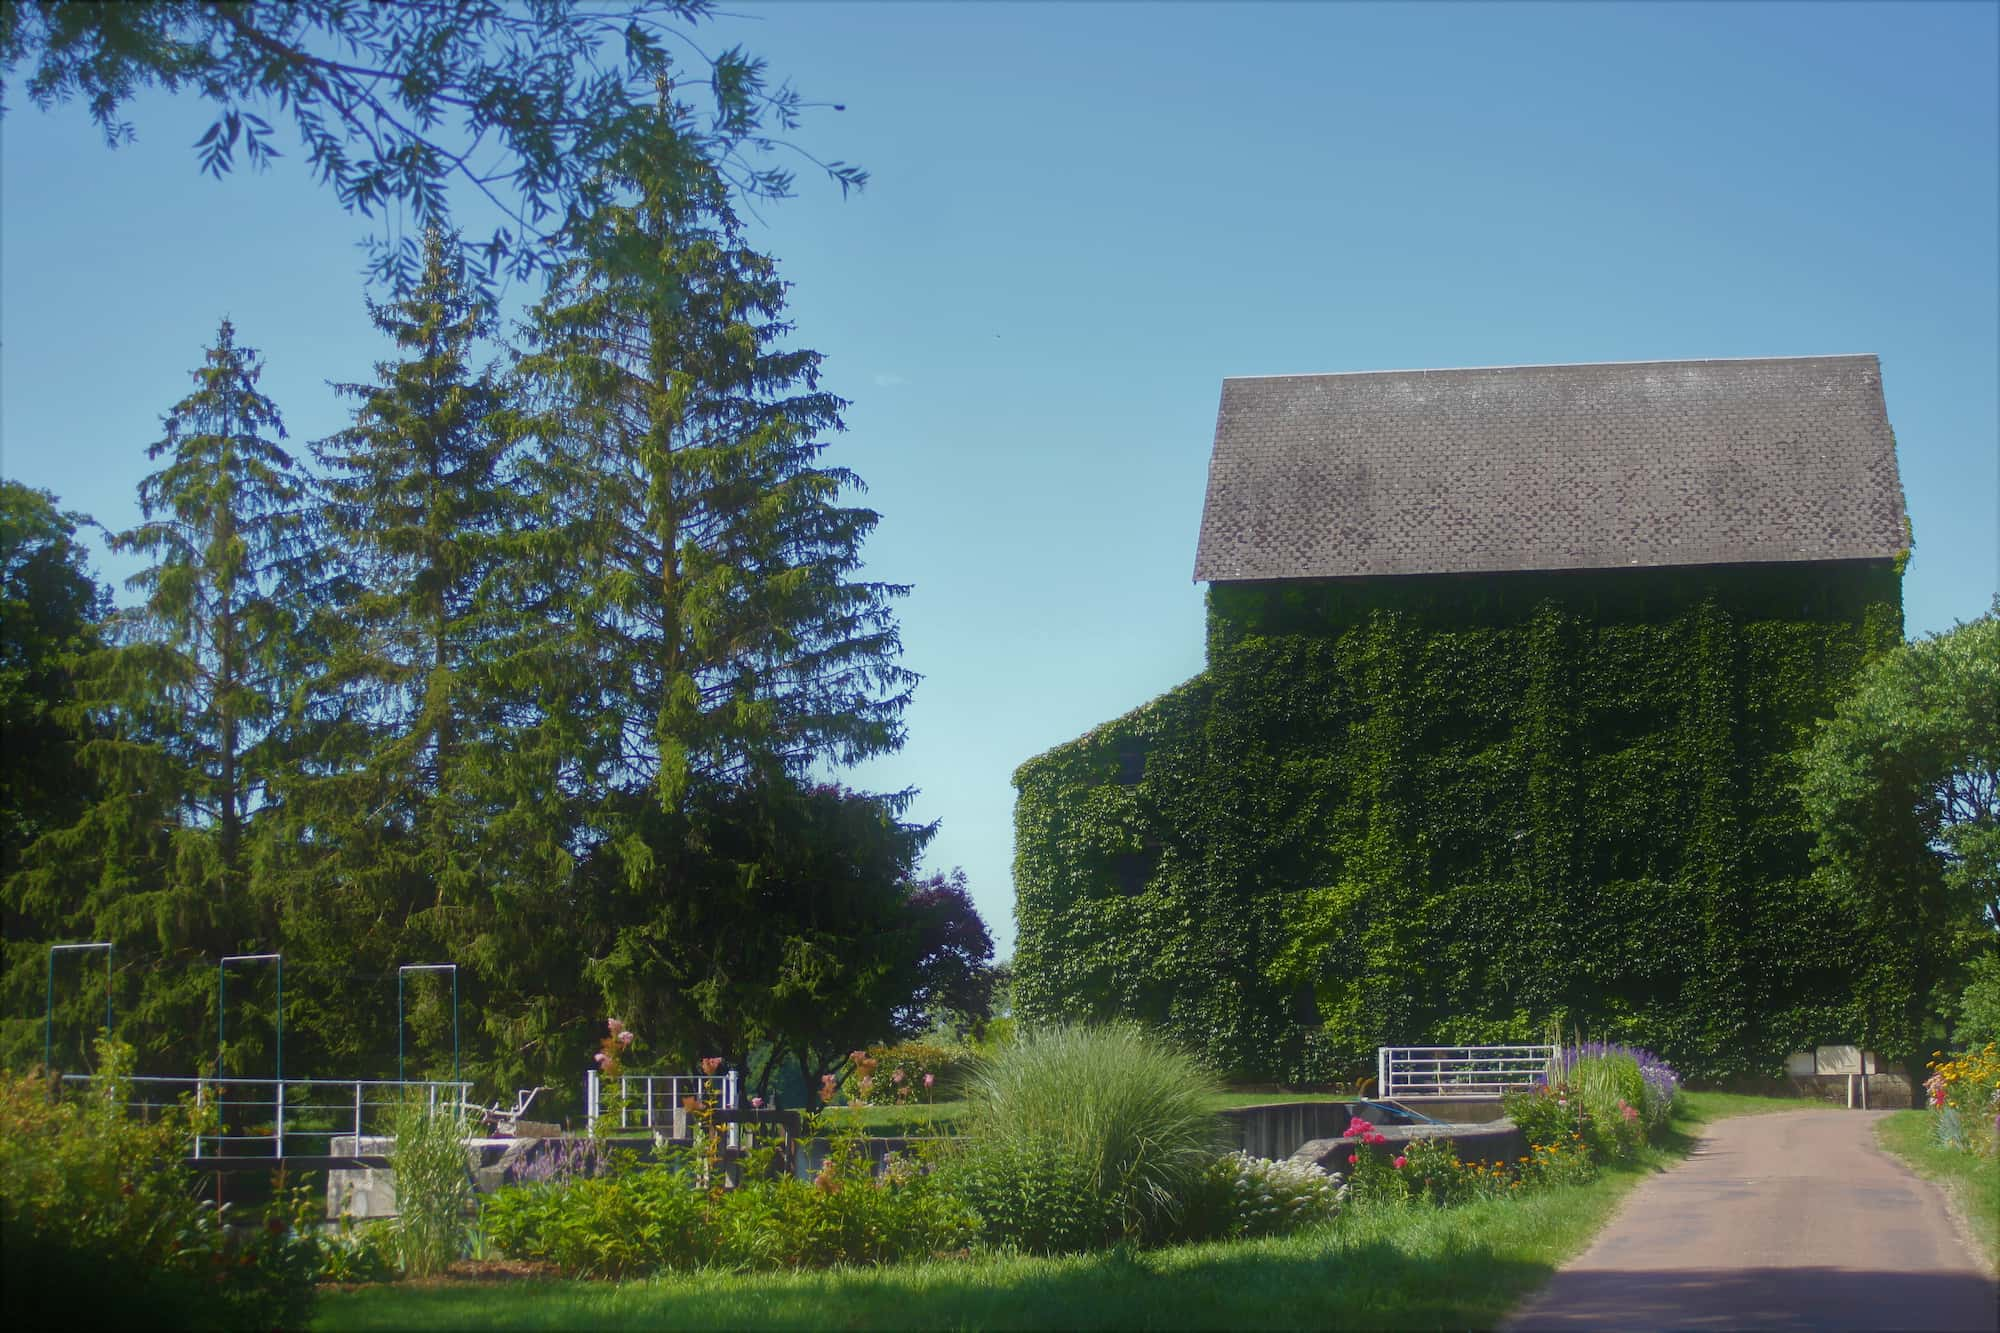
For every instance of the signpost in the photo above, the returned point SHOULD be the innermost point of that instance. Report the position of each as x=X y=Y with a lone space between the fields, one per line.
x=1849 y=1062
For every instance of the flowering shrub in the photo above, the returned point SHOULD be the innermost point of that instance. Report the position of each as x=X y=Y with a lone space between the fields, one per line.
x=908 y=1071
x=1652 y=1095
x=1251 y=1196
x=1548 y=1115
x=1431 y=1173
x=1964 y=1095
x=1372 y=1176
x=1568 y=1163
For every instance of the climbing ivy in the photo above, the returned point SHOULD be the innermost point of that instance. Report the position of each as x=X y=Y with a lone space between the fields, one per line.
x=1453 y=809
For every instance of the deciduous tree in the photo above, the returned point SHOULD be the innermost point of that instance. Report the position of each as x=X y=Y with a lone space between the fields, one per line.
x=1903 y=787
x=397 y=102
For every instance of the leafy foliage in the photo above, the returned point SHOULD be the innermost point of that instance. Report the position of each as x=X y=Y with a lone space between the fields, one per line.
x=777 y=916
x=395 y=103
x=50 y=610
x=647 y=1218
x=96 y=1202
x=1414 y=811
x=1902 y=786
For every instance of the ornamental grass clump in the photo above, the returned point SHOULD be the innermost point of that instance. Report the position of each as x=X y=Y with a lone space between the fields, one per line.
x=434 y=1196
x=1079 y=1137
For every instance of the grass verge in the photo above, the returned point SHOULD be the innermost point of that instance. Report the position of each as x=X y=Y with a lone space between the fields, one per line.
x=1379 y=1268
x=1972 y=1182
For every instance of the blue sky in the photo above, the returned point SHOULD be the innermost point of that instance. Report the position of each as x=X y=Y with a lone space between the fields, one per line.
x=1083 y=217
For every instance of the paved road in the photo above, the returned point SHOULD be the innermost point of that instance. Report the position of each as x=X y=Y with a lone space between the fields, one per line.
x=1788 y=1221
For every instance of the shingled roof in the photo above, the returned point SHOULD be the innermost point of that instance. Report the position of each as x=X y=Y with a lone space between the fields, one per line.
x=1644 y=463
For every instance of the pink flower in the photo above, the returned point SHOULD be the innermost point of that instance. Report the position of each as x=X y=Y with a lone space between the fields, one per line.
x=711 y=1064
x=1358 y=1126
x=625 y=1039
x=897 y=1077
x=615 y=1026
x=1354 y=1159
x=756 y=1103
x=1629 y=1111
x=1400 y=1161
x=929 y=1079
x=603 y=1060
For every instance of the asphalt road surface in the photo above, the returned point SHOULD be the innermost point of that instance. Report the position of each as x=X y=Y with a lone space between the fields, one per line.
x=1788 y=1221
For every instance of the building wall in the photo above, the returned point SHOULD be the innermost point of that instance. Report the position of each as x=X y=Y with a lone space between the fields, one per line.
x=1453 y=809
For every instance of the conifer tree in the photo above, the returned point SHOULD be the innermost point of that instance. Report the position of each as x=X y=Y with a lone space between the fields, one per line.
x=380 y=848
x=188 y=702
x=413 y=501
x=697 y=545
x=690 y=620
x=214 y=637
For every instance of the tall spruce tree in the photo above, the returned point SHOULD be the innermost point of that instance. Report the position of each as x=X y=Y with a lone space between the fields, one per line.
x=702 y=626
x=703 y=557
x=188 y=702
x=378 y=849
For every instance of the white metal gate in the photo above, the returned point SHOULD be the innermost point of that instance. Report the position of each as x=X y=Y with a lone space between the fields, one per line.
x=1462 y=1072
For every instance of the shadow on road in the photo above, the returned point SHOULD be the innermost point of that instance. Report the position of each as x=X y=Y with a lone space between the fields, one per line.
x=1764 y=1298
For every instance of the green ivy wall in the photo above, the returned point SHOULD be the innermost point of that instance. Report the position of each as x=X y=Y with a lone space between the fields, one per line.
x=1418 y=810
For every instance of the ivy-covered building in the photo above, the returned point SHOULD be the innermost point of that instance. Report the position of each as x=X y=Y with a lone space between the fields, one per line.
x=1507 y=671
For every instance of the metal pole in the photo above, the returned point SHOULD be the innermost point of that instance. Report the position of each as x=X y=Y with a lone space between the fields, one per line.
x=49 y=1011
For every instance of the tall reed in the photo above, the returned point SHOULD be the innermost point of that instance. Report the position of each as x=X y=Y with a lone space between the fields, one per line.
x=434 y=1194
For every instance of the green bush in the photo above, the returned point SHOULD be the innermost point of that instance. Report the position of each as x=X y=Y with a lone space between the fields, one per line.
x=1979 y=1005
x=638 y=1220
x=1433 y=1174
x=434 y=1194
x=1081 y=1136
x=99 y=1219
x=647 y=1218
x=1548 y=1117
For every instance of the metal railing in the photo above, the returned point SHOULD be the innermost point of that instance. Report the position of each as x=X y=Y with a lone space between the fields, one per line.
x=1464 y=1072
x=659 y=1101
x=272 y=1119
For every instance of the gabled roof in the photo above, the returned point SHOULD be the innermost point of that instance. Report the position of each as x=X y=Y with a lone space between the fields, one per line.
x=1643 y=463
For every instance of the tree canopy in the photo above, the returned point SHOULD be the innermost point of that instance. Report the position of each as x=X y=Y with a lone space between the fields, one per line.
x=51 y=610
x=396 y=104
x=1903 y=788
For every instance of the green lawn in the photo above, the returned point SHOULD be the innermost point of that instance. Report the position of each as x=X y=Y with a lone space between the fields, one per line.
x=1972 y=1182
x=1389 y=1268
